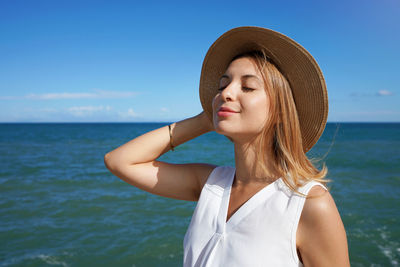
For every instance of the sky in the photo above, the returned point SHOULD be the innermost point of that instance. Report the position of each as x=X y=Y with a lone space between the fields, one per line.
x=140 y=61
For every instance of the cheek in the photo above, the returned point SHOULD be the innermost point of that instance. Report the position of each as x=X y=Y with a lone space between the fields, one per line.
x=215 y=103
x=215 y=106
x=258 y=110
x=260 y=103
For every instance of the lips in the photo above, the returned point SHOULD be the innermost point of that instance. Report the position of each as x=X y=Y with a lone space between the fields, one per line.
x=226 y=109
x=226 y=112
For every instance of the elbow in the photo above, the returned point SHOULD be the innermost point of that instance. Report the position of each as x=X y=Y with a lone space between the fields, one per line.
x=108 y=161
x=113 y=161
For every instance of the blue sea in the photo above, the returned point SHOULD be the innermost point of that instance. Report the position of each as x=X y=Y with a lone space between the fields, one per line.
x=60 y=206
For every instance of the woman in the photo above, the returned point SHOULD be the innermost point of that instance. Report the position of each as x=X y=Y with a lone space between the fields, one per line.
x=266 y=94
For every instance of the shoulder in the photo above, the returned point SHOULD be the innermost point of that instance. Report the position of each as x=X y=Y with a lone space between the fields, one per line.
x=318 y=202
x=321 y=237
x=318 y=211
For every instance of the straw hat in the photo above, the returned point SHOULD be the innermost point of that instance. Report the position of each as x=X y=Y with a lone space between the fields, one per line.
x=296 y=64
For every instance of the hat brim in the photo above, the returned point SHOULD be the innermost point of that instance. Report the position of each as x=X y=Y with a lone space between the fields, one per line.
x=296 y=64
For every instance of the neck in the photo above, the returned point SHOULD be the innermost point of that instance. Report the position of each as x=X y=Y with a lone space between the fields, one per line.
x=247 y=169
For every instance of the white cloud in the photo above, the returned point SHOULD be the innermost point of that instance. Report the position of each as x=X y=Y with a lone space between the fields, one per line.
x=384 y=93
x=164 y=109
x=86 y=110
x=51 y=96
x=114 y=94
x=65 y=95
x=128 y=114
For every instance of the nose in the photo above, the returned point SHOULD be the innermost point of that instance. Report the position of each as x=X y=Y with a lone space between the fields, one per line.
x=229 y=92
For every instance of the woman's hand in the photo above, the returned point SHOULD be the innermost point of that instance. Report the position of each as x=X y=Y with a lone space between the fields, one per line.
x=205 y=121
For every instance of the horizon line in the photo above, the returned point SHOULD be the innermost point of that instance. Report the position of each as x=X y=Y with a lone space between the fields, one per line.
x=94 y=122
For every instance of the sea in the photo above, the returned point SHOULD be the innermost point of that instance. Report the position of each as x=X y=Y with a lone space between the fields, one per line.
x=60 y=205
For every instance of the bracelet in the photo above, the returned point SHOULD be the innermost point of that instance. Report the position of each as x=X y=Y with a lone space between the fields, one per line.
x=170 y=138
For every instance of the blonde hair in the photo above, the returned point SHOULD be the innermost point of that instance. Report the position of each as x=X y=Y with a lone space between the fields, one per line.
x=290 y=160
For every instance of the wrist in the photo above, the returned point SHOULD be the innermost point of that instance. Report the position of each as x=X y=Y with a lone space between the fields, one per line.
x=204 y=122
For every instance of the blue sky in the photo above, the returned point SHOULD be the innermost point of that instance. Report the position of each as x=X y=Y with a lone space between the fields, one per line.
x=134 y=61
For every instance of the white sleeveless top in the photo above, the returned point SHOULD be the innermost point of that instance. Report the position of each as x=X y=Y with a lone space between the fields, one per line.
x=262 y=232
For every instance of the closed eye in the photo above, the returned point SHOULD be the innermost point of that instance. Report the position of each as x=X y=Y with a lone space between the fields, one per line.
x=246 y=89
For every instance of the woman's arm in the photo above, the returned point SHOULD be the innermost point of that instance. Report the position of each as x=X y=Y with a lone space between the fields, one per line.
x=135 y=162
x=321 y=237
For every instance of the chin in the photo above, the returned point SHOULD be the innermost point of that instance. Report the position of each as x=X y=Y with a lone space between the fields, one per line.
x=223 y=130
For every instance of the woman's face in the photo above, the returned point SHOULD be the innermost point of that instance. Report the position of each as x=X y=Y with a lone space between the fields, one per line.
x=240 y=108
